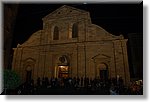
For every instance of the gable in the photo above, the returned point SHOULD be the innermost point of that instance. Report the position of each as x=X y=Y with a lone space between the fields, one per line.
x=101 y=56
x=64 y=11
x=98 y=33
x=34 y=39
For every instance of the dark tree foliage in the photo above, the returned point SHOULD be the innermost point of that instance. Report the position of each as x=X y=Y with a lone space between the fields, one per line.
x=11 y=79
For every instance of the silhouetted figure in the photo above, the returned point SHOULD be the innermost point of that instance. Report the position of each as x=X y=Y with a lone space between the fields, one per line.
x=90 y=82
x=85 y=81
x=43 y=82
x=74 y=82
x=78 y=81
x=81 y=81
x=70 y=82
x=120 y=81
x=32 y=82
x=46 y=81
x=56 y=82
x=38 y=82
x=32 y=86
x=51 y=82
x=114 y=81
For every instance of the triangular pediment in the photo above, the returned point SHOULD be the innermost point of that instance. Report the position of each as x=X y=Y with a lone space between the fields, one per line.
x=101 y=56
x=64 y=11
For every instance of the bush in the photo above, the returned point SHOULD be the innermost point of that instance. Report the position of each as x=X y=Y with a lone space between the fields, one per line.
x=11 y=79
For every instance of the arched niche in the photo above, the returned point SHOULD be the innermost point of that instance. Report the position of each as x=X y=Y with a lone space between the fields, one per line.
x=102 y=65
x=56 y=33
x=29 y=65
x=75 y=30
x=102 y=71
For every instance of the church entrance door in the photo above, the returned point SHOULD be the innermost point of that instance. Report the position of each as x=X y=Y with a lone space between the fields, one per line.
x=63 y=71
x=102 y=71
x=28 y=75
x=103 y=74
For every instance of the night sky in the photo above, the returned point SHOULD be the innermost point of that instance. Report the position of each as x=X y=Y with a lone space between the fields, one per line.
x=115 y=18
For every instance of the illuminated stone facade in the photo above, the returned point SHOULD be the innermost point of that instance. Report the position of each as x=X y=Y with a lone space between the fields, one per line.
x=69 y=45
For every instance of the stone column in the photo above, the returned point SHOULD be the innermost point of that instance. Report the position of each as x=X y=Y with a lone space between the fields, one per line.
x=81 y=60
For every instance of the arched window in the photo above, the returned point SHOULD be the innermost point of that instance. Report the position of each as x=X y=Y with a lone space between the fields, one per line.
x=75 y=30
x=56 y=33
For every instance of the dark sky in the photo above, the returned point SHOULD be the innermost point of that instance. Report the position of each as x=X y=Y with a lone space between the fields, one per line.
x=115 y=18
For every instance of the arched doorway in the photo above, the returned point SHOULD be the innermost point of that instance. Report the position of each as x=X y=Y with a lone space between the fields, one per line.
x=29 y=64
x=62 y=69
x=28 y=73
x=102 y=71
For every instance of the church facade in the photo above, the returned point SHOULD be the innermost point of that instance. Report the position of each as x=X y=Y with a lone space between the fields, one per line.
x=69 y=45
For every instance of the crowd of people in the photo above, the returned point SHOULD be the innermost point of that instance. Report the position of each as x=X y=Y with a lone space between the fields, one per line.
x=78 y=85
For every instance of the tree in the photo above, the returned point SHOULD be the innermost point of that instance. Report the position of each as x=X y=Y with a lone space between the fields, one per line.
x=11 y=79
